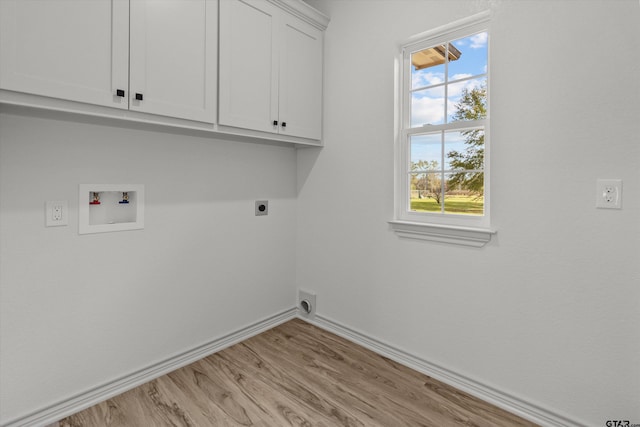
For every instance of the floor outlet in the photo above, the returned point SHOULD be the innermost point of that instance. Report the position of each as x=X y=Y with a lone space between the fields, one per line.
x=56 y=213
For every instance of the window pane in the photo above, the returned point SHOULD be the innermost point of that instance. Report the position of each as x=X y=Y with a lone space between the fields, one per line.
x=426 y=152
x=427 y=107
x=427 y=77
x=426 y=192
x=418 y=186
x=464 y=149
x=464 y=193
x=472 y=59
x=427 y=67
x=467 y=100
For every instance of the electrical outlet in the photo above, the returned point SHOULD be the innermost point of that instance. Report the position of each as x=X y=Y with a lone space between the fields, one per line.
x=609 y=193
x=262 y=207
x=56 y=213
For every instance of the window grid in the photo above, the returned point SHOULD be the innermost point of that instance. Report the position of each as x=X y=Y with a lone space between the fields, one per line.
x=448 y=124
x=442 y=172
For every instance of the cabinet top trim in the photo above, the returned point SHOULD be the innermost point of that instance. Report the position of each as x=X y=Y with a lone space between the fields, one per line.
x=303 y=11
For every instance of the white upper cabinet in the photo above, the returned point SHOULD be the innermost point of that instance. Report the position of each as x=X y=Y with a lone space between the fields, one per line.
x=300 y=89
x=254 y=66
x=248 y=70
x=173 y=58
x=270 y=70
x=152 y=56
x=69 y=49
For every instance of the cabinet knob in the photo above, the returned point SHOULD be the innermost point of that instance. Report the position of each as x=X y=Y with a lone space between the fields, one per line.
x=139 y=96
x=284 y=124
x=120 y=92
x=275 y=123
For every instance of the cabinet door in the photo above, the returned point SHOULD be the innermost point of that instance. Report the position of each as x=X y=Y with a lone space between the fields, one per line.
x=173 y=58
x=300 y=86
x=69 y=49
x=248 y=65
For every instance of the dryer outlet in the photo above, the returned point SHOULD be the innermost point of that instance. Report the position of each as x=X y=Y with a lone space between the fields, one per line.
x=306 y=304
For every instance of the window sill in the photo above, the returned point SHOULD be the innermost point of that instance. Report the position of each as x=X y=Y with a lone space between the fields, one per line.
x=465 y=236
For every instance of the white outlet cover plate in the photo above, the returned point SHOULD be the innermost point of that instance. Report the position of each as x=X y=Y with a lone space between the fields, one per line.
x=609 y=193
x=62 y=207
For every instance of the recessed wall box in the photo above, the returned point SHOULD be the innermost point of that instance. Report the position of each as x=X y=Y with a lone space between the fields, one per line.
x=103 y=208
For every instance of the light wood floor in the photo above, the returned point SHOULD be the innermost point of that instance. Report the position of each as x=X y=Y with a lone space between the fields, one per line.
x=294 y=375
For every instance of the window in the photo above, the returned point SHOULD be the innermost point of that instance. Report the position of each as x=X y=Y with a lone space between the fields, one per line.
x=442 y=155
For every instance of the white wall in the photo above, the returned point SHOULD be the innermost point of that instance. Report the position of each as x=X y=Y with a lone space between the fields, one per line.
x=80 y=310
x=549 y=311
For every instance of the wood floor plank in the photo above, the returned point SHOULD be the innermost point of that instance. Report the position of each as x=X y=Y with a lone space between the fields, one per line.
x=382 y=392
x=276 y=405
x=293 y=386
x=396 y=382
x=338 y=393
x=294 y=375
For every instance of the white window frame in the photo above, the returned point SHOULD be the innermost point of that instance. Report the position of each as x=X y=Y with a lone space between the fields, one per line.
x=468 y=230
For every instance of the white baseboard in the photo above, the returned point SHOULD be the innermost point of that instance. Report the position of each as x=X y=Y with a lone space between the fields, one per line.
x=489 y=394
x=103 y=392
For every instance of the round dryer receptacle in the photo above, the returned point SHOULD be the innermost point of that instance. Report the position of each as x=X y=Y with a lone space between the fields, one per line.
x=305 y=305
